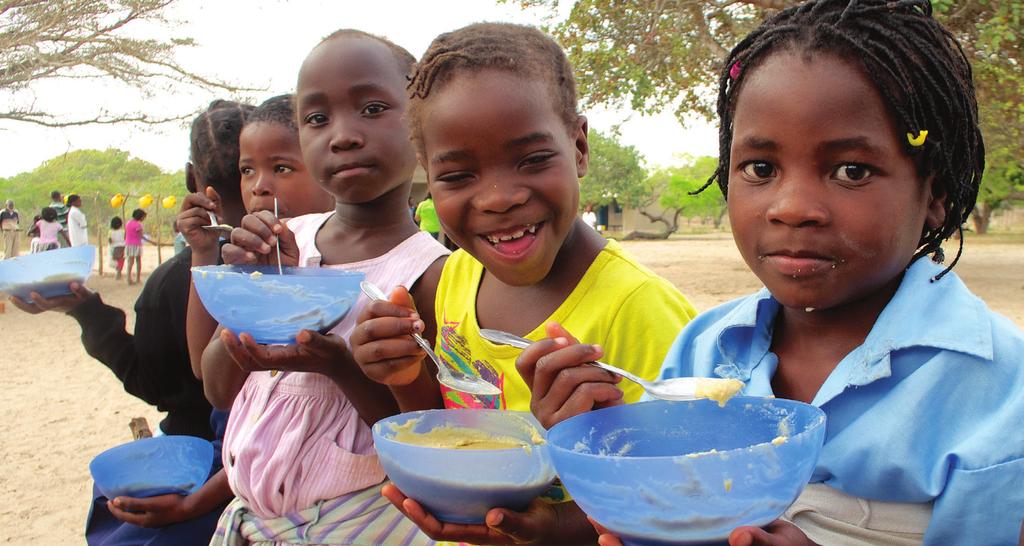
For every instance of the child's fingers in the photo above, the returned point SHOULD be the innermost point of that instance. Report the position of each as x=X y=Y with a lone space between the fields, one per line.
x=251 y=241
x=388 y=327
x=197 y=203
x=237 y=352
x=138 y=519
x=401 y=297
x=555 y=330
x=319 y=345
x=394 y=495
x=608 y=540
x=550 y=365
x=25 y=306
x=521 y=527
x=776 y=533
x=234 y=254
x=289 y=247
x=386 y=349
x=385 y=309
x=215 y=200
x=583 y=399
x=526 y=362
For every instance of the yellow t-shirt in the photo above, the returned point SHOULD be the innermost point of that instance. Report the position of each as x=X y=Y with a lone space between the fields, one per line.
x=634 y=315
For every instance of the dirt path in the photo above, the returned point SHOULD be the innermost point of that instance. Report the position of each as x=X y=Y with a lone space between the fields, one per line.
x=62 y=407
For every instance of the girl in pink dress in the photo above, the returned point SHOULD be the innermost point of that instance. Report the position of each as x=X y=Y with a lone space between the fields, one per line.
x=298 y=448
x=48 y=229
x=133 y=237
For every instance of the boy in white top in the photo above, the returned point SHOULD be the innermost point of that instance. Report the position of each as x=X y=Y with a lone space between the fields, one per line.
x=77 y=226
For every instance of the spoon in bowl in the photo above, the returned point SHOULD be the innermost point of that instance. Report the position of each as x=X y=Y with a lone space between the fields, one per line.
x=447 y=375
x=215 y=226
x=677 y=388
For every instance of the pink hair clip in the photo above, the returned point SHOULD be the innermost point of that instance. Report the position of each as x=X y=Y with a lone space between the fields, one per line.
x=734 y=71
x=917 y=141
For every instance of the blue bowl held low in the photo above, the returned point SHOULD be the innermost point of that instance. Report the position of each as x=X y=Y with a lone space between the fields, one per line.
x=153 y=466
x=274 y=308
x=662 y=473
x=461 y=485
x=48 y=273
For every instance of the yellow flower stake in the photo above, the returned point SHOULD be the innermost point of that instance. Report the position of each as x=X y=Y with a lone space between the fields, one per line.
x=917 y=141
x=117 y=200
x=169 y=202
x=145 y=201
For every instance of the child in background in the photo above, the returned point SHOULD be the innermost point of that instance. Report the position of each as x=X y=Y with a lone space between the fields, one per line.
x=116 y=240
x=298 y=450
x=48 y=229
x=133 y=238
x=850 y=150
x=493 y=114
x=154 y=363
x=269 y=167
x=34 y=245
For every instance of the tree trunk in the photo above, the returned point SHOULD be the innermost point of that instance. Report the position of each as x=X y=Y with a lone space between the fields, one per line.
x=981 y=216
x=646 y=236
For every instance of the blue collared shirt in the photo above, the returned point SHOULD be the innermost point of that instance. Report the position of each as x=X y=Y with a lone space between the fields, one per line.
x=930 y=408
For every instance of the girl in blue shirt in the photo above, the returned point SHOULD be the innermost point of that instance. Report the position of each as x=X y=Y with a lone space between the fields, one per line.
x=849 y=152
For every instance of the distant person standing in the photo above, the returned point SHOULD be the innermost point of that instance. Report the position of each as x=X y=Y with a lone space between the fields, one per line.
x=133 y=237
x=426 y=217
x=78 y=228
x=59 y=207
x=9 y=220
x=116 y=240
x=590 y=217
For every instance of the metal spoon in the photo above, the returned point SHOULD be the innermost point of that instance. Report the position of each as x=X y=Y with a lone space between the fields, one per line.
x=678 y=388
x=448 y=375
x=280 y=271
x=215 y=226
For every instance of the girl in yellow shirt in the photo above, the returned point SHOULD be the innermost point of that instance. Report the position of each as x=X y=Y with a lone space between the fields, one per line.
x=494 y=121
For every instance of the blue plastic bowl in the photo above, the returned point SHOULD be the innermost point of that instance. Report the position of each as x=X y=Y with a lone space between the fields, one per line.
x=460 y=486
x=48 y=273
x=274 y=308
x=660 y=473
x=153 y=466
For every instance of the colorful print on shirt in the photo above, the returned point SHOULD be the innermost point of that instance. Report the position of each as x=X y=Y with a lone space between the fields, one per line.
x=454 y=349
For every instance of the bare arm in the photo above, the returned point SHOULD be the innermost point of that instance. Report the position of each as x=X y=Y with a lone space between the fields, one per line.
x=424 y=392
x=222 y=377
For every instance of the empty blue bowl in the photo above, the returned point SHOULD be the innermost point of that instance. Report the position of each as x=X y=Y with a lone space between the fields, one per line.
x=660 y=473
x=274 y=308
x=458 y=485
x=48 y=273
x=153 y=466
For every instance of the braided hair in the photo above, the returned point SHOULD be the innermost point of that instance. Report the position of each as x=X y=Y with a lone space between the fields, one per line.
x=518 y=49
x=917 y=66
x=279 y=110
x=214 y=146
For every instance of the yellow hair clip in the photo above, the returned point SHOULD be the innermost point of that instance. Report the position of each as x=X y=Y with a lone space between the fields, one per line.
x=917 y=141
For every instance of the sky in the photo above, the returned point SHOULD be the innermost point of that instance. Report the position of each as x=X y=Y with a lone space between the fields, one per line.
x=260 y=44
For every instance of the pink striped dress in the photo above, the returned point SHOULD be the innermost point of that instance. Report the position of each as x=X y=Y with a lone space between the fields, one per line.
x=294 y=439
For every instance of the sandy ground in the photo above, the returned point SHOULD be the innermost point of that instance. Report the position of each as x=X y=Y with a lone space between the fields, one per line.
x=62 y=407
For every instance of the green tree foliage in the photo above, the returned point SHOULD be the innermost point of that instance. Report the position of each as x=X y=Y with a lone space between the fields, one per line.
x=96 y=176
x=44 y=40
x=992 y=35
x=654 y=55
x=615 y=173
x=673 y=187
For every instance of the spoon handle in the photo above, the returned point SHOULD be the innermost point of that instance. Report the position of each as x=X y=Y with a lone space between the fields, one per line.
x=505 y=338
